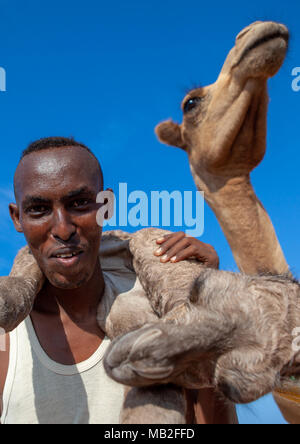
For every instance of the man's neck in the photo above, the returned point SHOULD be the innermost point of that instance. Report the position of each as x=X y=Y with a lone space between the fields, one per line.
x=78 y=304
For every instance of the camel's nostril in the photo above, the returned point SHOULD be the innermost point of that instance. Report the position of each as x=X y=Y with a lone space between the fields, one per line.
x=246 y=30
x=285 y=32
x=242 y=34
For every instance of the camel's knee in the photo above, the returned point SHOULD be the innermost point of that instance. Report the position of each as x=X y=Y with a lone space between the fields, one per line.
x=241 y=382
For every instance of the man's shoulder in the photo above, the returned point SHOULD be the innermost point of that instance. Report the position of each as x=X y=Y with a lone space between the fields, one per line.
x=115 y=235
x=115 y=251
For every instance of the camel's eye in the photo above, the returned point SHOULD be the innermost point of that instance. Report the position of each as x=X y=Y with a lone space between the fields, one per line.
x=191 y=104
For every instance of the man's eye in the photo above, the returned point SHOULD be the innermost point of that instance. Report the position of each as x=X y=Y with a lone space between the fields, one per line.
x=80 y=203
x=191 y=104
x=37 y=209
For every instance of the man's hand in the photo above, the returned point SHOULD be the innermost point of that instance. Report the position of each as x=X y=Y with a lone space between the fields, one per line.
x=177 y=247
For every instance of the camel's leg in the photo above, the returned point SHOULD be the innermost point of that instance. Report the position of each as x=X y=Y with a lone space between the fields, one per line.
x=245 y=375
x=164 y=404
x=18 y=291
x=161 y=352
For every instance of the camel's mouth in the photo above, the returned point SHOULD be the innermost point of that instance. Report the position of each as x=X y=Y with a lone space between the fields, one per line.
x=279 y=34
x=268 y=38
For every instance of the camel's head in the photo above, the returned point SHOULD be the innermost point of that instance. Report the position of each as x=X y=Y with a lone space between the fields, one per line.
x=224 y=124
x=259 y=51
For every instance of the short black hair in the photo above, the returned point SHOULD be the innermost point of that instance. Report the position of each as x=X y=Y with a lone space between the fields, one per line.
x=52 y=142
x=56 y=142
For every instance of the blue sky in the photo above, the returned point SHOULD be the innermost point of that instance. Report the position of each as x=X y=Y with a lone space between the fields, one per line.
x=108 y=72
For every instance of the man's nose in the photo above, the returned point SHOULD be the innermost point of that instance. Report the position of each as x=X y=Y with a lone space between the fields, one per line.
x=63 y=227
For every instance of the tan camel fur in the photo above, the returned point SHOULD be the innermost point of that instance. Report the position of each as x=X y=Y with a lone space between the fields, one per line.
x=18 y=290
x=218 y=329
x=224 y=134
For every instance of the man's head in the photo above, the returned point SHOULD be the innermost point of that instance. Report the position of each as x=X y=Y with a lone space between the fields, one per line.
x=56 y=185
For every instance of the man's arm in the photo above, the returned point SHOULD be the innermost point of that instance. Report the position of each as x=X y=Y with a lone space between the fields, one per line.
x=211 y=408
x=4 y=361
x=177 y=247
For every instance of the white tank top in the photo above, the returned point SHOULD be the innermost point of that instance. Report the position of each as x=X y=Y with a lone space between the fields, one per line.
x=39 y=390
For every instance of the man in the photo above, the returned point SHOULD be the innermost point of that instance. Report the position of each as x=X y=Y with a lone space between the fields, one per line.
x=52 y=370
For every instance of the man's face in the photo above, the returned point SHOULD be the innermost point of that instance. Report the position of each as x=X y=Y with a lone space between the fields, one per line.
x=56 y=209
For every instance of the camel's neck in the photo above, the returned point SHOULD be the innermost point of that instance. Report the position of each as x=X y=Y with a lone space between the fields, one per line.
x=245 y=223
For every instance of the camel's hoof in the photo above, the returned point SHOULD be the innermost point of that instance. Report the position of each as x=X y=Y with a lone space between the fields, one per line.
x=139 y=358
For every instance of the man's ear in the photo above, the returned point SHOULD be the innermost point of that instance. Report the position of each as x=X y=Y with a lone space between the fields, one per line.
x=15 y=215
x=170 y=133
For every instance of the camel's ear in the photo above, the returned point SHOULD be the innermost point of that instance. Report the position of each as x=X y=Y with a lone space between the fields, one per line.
x=170 y=133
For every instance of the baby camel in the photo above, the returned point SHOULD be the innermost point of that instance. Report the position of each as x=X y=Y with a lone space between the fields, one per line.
x=218 y=329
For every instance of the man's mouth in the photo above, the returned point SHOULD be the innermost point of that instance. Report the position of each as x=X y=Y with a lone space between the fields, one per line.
x=68 y=257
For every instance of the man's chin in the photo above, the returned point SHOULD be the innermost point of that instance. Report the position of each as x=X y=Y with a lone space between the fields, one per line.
x=67 y=284
x=71 y=278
